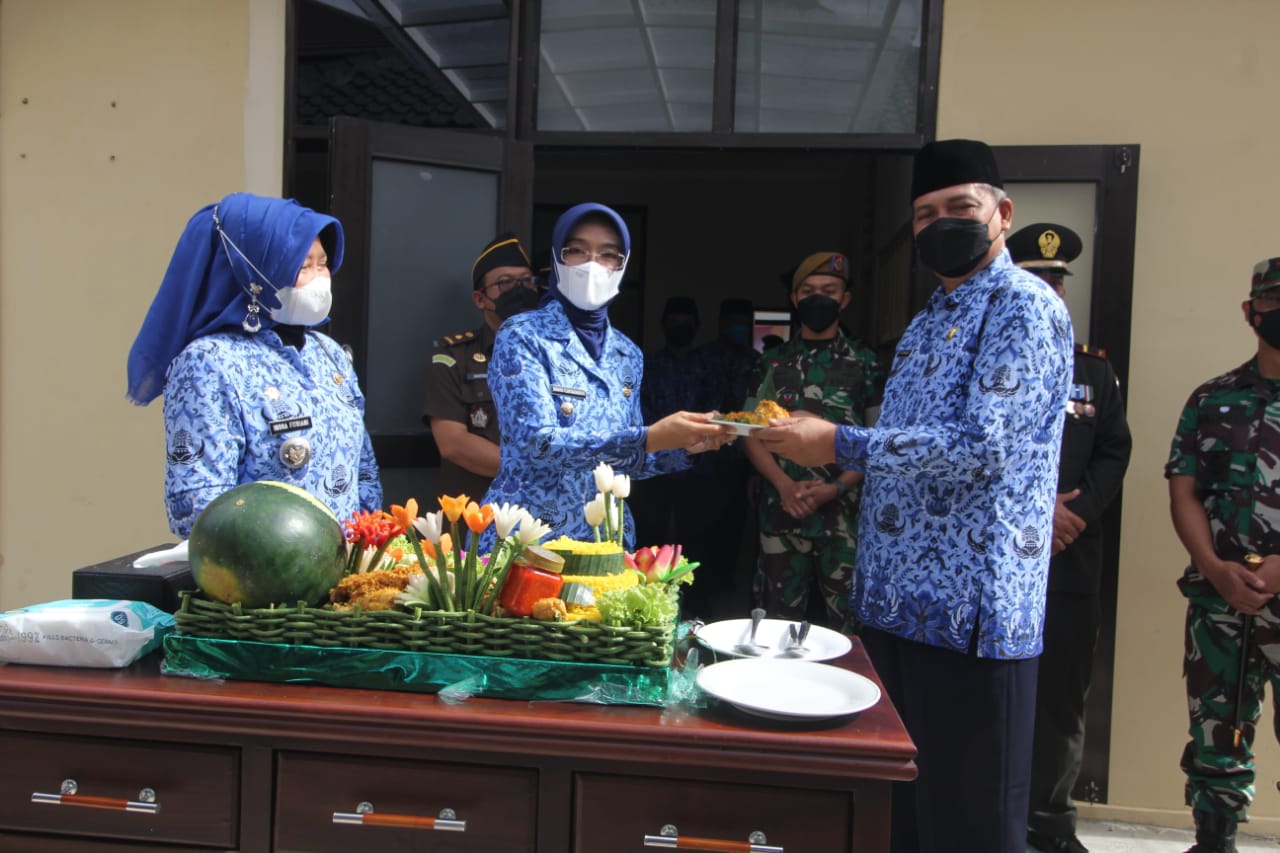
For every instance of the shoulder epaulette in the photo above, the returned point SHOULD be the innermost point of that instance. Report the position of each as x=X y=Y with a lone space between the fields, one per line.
x=1096 y=352
x=455 y=339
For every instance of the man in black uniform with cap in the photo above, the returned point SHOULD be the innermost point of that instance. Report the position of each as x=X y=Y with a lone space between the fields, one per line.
x=1095 y=454
x=459 y=408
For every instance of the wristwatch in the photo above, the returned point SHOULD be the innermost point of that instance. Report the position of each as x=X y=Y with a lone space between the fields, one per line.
x=841 y=488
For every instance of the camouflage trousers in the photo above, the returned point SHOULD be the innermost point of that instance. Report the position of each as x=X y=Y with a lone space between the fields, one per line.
x=1220 y=775
x=790 y=566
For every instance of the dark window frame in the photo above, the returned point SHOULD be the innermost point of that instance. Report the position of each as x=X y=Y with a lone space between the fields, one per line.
x=527 y=14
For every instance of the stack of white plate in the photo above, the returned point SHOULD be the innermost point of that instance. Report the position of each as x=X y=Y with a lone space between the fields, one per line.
x=782 y=685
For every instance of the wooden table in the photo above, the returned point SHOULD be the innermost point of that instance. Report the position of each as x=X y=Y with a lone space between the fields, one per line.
x=249 y=766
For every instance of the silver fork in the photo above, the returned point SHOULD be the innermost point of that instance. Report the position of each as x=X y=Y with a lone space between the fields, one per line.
x=793 y=643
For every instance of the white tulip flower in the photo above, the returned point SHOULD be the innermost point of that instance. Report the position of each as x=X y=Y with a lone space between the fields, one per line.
x=430 y=526
x=531 y=530
x=506 y=517
x=621 y=486
x=604 y=477
x=594 y=510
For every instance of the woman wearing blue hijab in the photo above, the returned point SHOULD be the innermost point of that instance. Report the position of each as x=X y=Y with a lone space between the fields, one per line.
x=251 y=390
x=566 y=385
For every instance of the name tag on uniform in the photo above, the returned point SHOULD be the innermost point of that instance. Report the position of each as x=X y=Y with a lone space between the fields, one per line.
x=472 y=377
x=569 y=392
x=289 y=425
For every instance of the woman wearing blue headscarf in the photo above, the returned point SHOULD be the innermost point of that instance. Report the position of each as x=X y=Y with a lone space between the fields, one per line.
x=251 y=390
x=566 y=385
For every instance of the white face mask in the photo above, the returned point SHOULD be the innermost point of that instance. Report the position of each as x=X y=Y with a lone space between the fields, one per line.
x=589 y=286
x=306 y=305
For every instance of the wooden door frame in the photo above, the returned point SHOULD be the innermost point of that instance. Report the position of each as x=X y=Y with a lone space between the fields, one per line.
x=1114 y=171
x=354 y=145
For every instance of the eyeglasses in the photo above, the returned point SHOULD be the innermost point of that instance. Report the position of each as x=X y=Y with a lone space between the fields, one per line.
x=507 y=282
x=610 y=260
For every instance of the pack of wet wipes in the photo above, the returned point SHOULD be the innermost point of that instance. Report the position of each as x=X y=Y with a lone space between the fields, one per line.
x=97 y=632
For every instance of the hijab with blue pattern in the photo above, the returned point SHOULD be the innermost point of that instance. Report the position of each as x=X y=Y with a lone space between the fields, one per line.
x=206 y=287
x=591 y=326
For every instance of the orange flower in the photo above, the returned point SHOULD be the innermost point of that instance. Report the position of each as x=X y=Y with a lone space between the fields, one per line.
x=453 y=507
x=446 y=547
x=478 y=517
x=405 y=515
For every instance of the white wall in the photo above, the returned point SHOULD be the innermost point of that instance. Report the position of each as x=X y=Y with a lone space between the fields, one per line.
x=118 y=119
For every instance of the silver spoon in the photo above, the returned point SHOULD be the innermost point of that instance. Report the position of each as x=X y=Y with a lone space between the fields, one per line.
x=801 y=634
x=750 y=646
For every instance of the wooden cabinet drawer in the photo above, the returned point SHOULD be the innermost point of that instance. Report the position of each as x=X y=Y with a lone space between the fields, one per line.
x=499 y=805
x=197 y=788
x=614 y=813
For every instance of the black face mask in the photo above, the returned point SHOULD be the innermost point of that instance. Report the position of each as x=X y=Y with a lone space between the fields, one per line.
x=953 y=246
x=1267 y=325
x=818 y=312
x=516 y=300
x=679 y=335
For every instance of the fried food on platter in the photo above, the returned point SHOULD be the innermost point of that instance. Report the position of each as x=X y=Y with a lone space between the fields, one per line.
x=376 y=590
x=764 y=411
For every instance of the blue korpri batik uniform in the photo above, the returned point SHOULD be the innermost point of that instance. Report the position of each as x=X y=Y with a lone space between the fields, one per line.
x=562 y=413
x=221 y=397
x=957 y=510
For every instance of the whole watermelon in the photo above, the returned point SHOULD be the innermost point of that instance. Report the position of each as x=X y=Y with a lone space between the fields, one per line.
x=266 y=543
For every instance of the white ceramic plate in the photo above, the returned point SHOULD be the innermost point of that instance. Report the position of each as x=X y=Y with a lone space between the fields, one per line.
x=739 y=428
x=723 y=637
x=788 y=690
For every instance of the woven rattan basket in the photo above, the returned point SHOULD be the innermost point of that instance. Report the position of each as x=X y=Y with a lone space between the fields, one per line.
x=427 y=631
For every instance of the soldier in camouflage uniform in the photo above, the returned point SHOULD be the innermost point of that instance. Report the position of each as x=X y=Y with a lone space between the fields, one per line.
x=809 y=516
x=1224 y=488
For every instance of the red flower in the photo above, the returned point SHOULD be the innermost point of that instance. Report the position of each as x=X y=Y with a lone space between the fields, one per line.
x=370 y=529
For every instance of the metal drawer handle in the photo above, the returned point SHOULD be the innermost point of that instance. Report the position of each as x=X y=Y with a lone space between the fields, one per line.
x=145 y=804
x=364 y=815
x=669 y=837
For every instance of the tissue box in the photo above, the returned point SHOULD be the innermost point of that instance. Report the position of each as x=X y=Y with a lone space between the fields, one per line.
x=157 y=585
